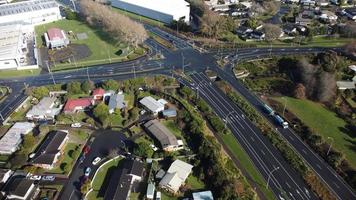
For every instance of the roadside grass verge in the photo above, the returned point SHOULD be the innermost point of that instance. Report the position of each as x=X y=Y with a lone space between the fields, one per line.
x=246 y=163
x=19 y=73
x=325 y=123
x=161 y=41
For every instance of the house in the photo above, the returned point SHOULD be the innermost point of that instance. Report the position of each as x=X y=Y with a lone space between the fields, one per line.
x=116 y=101
x=165 y=137
x=150 y=191
x=45 y=110
x=350 y=13
x=50 y=150
x=11 y=141
x=343 y=85
x=5 y=175
x=152 y=105
x=98 y=94
x=124 y=179
x=204 y=195
x=290 y=29
x=303 y=21
x=176 y=175
x=20 y=189
x=76 y=105
x=322 y=3
x=243 y=31
x=258 y=35
x=328 y=16
x=169 y=113
x=307 y=2
x=56 y=38
x=353 y=68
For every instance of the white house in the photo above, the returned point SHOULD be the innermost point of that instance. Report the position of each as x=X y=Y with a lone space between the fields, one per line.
x=56 y=38
x=32 y=12
x=152 y=105
x=45 y=110
x=10 y=142
x=5 y=175
x=161 y=10
x=176 y=175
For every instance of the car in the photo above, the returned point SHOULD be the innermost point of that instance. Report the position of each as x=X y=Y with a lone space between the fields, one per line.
x=87 y=171
x=86 y=150
x=158 y=196
x=35 y=177
x=48 y=178
x=76 y=125
x=96 y=160
x=81 y=159
x=153 y=147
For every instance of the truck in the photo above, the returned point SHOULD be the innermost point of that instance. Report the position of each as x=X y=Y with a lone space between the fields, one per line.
x=281 y=121
x=268 y=109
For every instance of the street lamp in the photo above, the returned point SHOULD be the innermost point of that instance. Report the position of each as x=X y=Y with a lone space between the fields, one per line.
x=332 y=140
x=270 y=174
x=285 y=105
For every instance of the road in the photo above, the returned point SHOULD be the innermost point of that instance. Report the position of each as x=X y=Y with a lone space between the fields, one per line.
x=189 y=60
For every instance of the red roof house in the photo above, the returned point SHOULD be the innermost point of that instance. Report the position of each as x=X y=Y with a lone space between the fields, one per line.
x=75 y=105
x=56 y=38
x=98 y=93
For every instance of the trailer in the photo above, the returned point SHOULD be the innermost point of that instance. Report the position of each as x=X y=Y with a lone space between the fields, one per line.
x=281 y=121
x=268 y=109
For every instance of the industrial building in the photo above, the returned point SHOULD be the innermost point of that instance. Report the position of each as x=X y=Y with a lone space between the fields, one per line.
x=160 y=10
x=11 y=141
x=12 y=47
x=31 y=12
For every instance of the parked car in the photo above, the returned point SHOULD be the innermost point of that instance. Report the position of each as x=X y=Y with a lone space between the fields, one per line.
x=76 y=125
x=158 y=196
x=153 y=147
x=96 y=160
x=87 y=171
x=48 y=178
x=35 y=177
x=86 y=150
x=81 y=159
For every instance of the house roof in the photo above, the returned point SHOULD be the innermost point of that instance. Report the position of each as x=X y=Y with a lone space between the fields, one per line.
x=134 y=167
x=204 y=195
x=13 y=137
x=117 y=101
x=352 y=67
x=44 y=108
x=98 y=91
x=3 y=172
x=18 y=186
x=26 y=7
x=151 y=103
x=71 y=104
x=172 y=181
x=177 y=173
x=169 y=113
x=162 y=134
x=55 y=34
x=46 y=153
x=345 y=84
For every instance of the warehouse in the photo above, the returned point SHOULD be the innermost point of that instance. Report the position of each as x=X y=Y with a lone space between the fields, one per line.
x=32 y=12
x=160 y=10
x=12 y=44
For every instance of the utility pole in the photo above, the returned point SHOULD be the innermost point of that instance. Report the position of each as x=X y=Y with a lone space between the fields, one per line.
x=182 y=62
x=2 y=118
x=285 y=105
x=269 y=176
x=332 y=140
x=270 y=50
x=172 y=71
x=134 y=70
x=50 y=72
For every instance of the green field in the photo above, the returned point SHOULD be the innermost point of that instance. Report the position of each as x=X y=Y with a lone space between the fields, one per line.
x=19 y=73
x=325 y=123
x=100 y=177
x=246 y=163
x=195 y=183
x=103 y=49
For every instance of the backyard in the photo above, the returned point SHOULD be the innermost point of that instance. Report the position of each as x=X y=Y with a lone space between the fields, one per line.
x=102 y=48
x=325 y=123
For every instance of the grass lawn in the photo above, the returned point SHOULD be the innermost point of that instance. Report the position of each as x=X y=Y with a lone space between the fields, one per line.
x=195 y=183
x=325 y=123
x=103 y=48
x=129 y=99
x=80 y=134
x=165 y=196
x=72 y=118
x=19 y=73
x=100 y=177
x=171 y=125
x=116 y=119
x=246 y=163
x=67 y=159
x=21 y=113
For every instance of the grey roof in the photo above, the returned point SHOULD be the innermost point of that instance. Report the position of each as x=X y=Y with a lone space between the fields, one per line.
x=150 y=190
x=151 y=103
x=204 y=195
x=345 y=84
x=169 y=113
x=49 y=148
x=26 y=6
x=134 y=167
x=18 y=186
x=163 y=135
x=44 y=108
x=117 y=101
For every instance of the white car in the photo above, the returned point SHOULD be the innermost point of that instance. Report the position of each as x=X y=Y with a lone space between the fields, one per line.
x=153 y=147
x=96 y=160
x=76 y=125
x=35 y=177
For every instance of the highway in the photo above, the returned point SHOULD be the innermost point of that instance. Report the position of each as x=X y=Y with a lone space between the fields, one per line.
x=284 y=181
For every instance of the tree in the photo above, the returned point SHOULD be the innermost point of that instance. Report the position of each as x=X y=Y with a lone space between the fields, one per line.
x=134 y=113
x=70 y=15
x=40 y=92
x=74 y=87
x=85 y=186
x=143 y=149
x=87 y=86
x=299 y=91
x=43 y=128
x=348 y=30
x=28 y=141
x=211 y=24
x=251 y=23
x=272 y=31
x=110 y=85
x=101 y=112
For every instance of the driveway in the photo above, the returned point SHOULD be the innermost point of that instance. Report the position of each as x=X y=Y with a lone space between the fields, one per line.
x=103 y=142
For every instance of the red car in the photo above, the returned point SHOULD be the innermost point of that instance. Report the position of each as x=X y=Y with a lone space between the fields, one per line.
x=86 y=149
